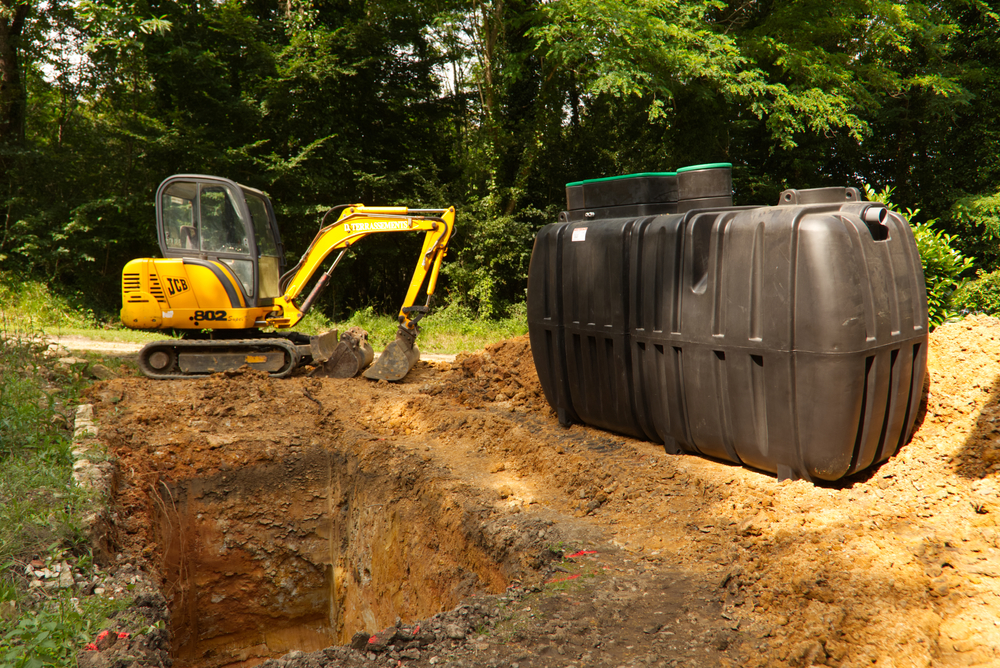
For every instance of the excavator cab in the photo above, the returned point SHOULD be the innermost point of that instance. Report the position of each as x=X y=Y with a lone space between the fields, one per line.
x=207 y=219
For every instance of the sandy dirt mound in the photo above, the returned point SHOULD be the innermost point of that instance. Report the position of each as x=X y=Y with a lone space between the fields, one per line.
x=692 y=562
x=504 y=374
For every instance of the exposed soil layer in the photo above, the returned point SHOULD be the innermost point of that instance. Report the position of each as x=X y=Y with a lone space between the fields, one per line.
x=449 y=519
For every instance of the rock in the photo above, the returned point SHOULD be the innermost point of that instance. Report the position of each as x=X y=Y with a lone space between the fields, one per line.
x=454 y=631
x=69 y=361
x=425 y=638
x=807 y=653
x=106 y=640
x=381 y=640
x=360 y=641
x=91 y=659
x=101 y=372
x=412 y=653
x=966 y=645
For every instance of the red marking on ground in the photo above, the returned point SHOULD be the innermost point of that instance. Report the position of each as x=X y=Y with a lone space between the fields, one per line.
x=581 y=553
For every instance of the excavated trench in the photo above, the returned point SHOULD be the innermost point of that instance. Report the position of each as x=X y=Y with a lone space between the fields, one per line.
x=302 y=553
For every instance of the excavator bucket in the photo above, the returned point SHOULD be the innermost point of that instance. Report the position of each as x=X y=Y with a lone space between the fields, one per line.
x=351 y=356
x=397 y=359
x=322 y=346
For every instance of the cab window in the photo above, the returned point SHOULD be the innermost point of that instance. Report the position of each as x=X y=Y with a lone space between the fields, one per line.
x=222 y=229
x=261 y=225
x=205 y=219
x=268 y=260
x=179 y=226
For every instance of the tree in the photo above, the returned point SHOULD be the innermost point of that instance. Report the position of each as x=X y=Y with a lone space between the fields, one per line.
x=13 y=14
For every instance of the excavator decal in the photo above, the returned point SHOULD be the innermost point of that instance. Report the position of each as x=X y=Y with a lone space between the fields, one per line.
x=381 y=226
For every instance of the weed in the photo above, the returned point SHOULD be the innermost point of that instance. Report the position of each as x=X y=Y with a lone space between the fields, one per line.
x=52 y=634
x=40 y=508
x=33 y=301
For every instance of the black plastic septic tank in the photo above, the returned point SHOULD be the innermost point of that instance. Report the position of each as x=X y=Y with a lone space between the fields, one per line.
x=789 y=338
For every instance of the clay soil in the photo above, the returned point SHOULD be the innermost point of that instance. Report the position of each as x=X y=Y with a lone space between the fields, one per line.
x=449 y=520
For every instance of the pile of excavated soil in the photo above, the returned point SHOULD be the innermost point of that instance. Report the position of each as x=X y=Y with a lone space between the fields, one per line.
x=504 y=373
x=577 y=546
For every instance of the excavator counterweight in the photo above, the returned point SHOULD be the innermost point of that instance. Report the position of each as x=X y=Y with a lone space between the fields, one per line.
x=221 y=282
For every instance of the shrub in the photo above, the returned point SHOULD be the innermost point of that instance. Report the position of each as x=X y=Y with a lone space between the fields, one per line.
x=487 y=266
x=943 y=265
x=981 y=295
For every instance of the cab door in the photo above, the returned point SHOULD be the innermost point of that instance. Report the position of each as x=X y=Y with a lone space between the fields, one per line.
x=270 y=254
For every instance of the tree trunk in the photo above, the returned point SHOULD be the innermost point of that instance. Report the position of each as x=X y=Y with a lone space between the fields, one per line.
x=12 y=93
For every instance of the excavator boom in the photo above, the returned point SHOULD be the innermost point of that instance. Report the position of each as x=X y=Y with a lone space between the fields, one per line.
x=356 y=223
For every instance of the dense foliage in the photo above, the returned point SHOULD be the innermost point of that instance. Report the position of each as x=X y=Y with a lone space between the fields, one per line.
x=488 y=106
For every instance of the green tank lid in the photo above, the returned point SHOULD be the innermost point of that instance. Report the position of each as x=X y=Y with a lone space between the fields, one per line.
x=618 y=178
x=710 y=165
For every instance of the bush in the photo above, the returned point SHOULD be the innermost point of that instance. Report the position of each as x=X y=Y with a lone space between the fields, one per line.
x=943 y=265
x=23 y=298
x=981 y=295
x=977 y=218
x=487 y=265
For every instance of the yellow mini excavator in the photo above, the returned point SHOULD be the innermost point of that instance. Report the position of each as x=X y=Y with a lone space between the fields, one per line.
x=221 y=280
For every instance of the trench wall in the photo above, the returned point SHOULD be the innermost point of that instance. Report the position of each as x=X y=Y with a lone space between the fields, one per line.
x=305 y=552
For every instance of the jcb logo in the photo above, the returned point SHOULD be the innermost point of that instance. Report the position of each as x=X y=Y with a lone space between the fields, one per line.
x=175 y=285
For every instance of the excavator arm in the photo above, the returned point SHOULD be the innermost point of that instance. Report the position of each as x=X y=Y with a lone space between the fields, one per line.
x=354 y=224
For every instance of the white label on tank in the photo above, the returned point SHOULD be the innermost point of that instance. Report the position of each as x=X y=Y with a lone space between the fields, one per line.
x=580 y=234
x=168 y=314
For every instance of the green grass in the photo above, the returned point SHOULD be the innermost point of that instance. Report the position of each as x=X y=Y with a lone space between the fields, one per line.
x=41 y=510
x=31 y=302
x=445 y=331
x=30 y=305
x=52 y=633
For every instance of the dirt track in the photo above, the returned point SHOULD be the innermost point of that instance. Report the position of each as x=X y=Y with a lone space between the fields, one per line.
x=293 y=514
